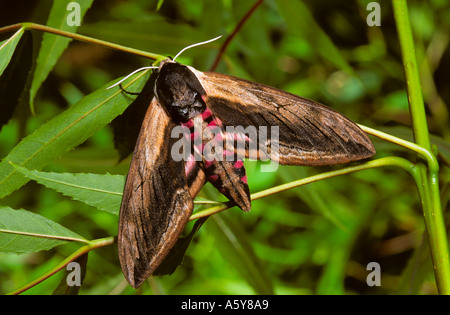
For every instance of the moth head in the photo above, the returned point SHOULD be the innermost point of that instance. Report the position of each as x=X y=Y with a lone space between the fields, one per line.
x=179 y=91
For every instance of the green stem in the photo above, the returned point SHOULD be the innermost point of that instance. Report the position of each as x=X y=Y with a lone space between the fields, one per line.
x=83 y=38
x=426 y=154
x=79 y=252
x=387 y=161
x=431 y=203
x=414 y=88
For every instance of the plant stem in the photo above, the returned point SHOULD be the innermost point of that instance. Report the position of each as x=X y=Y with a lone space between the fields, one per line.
x=387 y=161
x=413 y=85
x=234 y=32
x=426 y=154
x=79 y=252
x=431 y=203
x=83 y=38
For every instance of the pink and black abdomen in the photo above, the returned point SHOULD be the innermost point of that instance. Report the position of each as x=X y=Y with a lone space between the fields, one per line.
x=220 y=165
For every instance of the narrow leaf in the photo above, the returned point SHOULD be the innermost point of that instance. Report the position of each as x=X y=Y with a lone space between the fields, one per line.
x=53 y=46
x=65 y=131
x=235 y=248
x=7 y=48
x=22 y=231
x=159 y=5
x=103 y=191
x=137 y=34
x=14 y=77
x=301 y=22
x=126 y=127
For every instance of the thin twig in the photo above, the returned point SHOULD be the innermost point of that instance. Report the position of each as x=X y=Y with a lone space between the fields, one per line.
x=386 y=161
x=234 y=32
x=79 y=252
x=79 y=37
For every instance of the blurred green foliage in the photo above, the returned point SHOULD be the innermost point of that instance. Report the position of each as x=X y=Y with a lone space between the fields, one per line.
x=317 y=238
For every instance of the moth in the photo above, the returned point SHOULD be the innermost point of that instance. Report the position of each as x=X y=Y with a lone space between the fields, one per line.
x=160 y=189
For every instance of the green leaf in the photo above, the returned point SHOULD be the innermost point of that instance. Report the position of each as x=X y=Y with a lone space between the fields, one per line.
x=159 y=5
x=22 y=231
x=301 y=22
x=65 y=131
x=7 y=48
x=103 y=191
x=13 y=81
x=149 y=35
x=235 y=248
x=53 y=46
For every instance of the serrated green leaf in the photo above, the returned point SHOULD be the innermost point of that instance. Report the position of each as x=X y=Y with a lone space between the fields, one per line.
x=103 y=191
x=7 y=48
x=53 y=46
x=22 y=231
x=66 y=131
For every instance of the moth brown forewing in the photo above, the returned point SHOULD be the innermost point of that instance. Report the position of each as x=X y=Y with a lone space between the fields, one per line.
x=160 y=189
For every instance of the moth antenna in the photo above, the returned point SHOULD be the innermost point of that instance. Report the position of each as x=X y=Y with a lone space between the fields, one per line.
x=135 y=71
x=153 y=67
x=194 y=45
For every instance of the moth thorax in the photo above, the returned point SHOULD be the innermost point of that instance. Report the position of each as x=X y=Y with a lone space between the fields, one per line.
x=180 y=92
x=186 y=108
